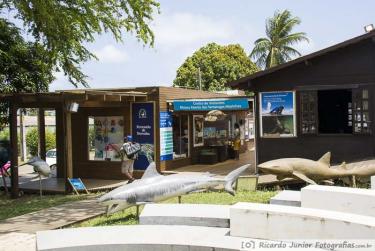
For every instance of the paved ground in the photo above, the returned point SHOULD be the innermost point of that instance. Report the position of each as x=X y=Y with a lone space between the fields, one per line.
x=18 y=233
x=29 y=182
x=222 y=168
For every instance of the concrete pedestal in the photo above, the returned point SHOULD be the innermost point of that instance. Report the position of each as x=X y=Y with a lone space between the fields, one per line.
x=185 y=214
x=146 y=238
x=274 y=222
x=287 y=198
x=342 y=199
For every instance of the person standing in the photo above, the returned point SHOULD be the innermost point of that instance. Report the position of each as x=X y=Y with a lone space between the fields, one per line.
x=129 y=151
x=237 y=141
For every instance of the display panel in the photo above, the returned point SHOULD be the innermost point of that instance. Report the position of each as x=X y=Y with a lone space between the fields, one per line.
x=143 y=131
x=277 y=114
x=166 y=136
x=105 y=137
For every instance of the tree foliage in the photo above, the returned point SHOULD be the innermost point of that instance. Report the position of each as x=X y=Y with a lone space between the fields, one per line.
x=218 y=65
x=277 y=48
x=65 y=27
x=24 y=66
x=32 y=140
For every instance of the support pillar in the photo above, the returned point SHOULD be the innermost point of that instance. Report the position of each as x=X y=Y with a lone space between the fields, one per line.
x=13 y=150
x=68 y=153
x=42 y=134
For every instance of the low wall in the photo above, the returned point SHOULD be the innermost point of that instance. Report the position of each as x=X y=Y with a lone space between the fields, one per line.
x=342 y=199
x=274 y=222
x=185 y=214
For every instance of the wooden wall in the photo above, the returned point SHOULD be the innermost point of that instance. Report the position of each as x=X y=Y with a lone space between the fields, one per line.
x=344 y=68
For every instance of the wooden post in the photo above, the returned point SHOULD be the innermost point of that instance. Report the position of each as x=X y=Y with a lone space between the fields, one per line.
x=69 y=146
x=42 y=134
x=13 y=150
x=68 y=153
x=60 y=143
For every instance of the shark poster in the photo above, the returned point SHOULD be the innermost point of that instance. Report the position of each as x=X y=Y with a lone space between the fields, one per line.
x=277 y=114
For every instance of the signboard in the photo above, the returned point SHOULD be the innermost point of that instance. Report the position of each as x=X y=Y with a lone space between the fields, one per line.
x=77 y=185
x=277 y=114
x=211 y=104
x=166 y=136
x=142 y=129
x=198 y=125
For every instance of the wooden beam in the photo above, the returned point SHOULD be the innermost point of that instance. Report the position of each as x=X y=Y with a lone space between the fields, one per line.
x=60 y=143
x=69 y=145
x=13 y=150
x=42 y=134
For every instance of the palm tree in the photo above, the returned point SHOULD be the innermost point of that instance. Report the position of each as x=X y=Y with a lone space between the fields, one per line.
x=277 y=48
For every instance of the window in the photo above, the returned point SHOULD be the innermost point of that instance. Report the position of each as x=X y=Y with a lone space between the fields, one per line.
x=180 y=136
x=105 y=137
x=360 y=112
x=333 y=111
x=343 y=111
x=308 y=112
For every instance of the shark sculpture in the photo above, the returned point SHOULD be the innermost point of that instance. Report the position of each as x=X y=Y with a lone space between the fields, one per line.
x=154 y=187
x=305 y=169
x=39 y=165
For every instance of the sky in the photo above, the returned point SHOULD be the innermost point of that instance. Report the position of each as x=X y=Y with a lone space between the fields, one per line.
x=183 y=26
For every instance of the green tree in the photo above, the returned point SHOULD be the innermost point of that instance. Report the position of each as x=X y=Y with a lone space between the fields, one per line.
x=64 y=28
x=32 y=138
x=217 y=65
x=24 y=66
x=277 y=48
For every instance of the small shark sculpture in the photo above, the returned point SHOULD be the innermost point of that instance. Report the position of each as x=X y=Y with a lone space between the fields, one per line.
x=154 y=187
x=305 y=169
x=40 y=166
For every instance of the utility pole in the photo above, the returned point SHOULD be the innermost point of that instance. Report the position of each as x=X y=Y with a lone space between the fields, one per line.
x=199 y=78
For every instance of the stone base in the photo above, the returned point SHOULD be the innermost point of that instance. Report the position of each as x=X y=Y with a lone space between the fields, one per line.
x=287 y=198
x=185 y=214
x=275 y=222
x=342 y=199
x=145 y=238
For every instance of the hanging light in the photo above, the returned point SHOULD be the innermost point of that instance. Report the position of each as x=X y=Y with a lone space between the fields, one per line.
x=368 y=28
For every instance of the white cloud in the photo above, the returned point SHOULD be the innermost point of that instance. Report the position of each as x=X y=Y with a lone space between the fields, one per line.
x=186 y=29
x=305 y=47
x=111 y=54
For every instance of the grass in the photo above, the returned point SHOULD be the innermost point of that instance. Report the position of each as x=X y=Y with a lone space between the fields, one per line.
x=31 y=203
x=128 y=216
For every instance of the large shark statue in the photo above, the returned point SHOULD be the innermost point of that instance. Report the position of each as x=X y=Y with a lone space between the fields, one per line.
x=154 y=187
x=305 y=169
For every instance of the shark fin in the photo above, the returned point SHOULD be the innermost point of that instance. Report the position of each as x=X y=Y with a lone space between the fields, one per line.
x=304 y=178
x=232 y=177
x=343 y=166
x=326 y=159
x=328 y=182
x=150 y=171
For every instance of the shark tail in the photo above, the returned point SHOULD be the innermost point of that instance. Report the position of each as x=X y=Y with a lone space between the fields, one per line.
x=232 y=177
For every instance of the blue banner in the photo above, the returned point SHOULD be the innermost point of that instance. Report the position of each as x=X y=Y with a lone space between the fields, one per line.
x=166 y=136
x=211 y=104
x=77 y=184
x=142 y=129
